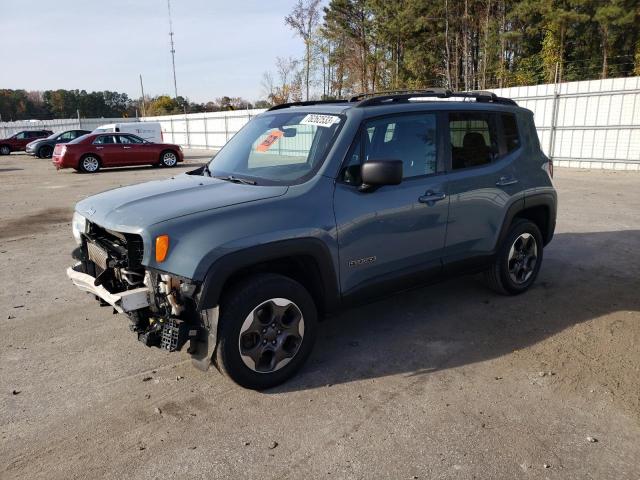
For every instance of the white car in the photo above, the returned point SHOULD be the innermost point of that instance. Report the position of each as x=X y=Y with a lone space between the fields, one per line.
x=150 y=131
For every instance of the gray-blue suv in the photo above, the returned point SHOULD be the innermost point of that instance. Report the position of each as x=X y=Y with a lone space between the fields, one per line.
x=313 y=206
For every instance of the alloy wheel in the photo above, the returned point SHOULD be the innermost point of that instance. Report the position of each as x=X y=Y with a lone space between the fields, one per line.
x=523 y=257
x=169 y=159
x=271 y=335
x=90 y=164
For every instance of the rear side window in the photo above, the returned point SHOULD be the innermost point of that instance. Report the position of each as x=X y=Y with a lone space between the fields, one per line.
x=104 y=139
x=510 y=130
x=473 y=139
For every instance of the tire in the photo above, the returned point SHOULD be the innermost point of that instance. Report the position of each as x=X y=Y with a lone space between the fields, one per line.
x=518 y=259
x=5 y=150
x=168 y=158
x=45 y=152
x=89 y=164
x=257 y=312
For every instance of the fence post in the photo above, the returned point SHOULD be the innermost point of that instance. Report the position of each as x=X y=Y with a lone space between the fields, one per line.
x=206 y=133
x=554 y=115
x=173 y=139
x=186 y=127
x=226 y=128
x=79 y=120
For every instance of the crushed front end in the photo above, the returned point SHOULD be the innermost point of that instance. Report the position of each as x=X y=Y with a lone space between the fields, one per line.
x=161 y=306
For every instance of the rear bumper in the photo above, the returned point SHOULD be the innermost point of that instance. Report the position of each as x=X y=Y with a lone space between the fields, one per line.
x=123 y=302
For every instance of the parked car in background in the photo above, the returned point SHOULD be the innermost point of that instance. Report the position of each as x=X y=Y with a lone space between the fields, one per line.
x=150 y=131
x=19 y=141
x=92 y=152
x=43 y=147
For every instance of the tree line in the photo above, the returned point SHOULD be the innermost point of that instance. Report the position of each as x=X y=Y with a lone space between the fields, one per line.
x=372 y=45
x=36 y=105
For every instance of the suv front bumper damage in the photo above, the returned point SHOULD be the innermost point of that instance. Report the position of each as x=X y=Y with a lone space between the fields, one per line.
x=124 y=302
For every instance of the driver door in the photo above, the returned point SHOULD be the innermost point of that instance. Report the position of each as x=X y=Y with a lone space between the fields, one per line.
x=395 y=233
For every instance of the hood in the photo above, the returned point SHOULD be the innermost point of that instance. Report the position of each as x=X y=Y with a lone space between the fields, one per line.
x=131 y=209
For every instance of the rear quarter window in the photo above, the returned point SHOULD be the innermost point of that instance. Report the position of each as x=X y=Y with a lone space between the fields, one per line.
x=510 y=132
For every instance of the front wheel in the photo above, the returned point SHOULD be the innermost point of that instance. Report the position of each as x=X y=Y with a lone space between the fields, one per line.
x=266 y=331
x=168 y=159
x=5 y=150
x=518 y=259
x=89 y=164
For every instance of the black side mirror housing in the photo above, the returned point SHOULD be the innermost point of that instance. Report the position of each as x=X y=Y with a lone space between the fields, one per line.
x=376 y=173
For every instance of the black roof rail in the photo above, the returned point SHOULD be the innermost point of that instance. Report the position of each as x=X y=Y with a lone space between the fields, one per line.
x=394 y=96
x=305 y=103
x=381 y=98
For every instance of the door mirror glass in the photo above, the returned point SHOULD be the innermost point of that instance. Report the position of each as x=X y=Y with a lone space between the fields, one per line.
x=376 y=173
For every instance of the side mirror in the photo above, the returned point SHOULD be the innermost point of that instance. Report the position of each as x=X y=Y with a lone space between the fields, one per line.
x=376 y=173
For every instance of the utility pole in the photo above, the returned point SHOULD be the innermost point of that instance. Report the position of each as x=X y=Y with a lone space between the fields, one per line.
x=173 y=50
x=144 y=108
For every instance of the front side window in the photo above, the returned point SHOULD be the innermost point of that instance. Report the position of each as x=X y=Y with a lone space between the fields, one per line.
x=473 y=139
x=67 y=136
x=21 y=136
x=280 y=148
x=409 y=138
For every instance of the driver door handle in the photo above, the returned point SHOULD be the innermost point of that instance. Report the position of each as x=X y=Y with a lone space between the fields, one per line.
x=126 y=148
x=431 y=197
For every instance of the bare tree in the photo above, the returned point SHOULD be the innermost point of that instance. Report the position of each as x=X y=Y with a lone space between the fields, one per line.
x=304 y=19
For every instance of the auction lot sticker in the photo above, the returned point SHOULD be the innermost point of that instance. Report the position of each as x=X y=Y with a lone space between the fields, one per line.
x=320 y=120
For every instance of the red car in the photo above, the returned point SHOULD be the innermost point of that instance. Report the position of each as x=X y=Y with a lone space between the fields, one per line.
x=18 y=142
x=89 y=153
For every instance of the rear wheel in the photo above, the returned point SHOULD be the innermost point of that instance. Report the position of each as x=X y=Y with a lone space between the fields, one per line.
x=518 y=259
x=89 y=164
x=168 y=158
x=45 y=152
x=5 y=150
x=267 y=330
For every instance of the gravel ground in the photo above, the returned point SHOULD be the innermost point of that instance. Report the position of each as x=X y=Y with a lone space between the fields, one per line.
x=450 y=381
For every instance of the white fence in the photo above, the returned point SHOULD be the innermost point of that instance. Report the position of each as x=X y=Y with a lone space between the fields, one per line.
x=60 y=125
x=590 y=124
x=203 y=130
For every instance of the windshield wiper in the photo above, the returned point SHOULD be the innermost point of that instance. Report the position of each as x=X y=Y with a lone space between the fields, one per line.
x=234 y=179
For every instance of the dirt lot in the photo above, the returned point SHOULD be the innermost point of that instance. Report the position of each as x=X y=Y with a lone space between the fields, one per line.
x=450 y=381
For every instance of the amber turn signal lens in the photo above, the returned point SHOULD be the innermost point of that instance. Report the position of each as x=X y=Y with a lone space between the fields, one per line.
x=162 y=247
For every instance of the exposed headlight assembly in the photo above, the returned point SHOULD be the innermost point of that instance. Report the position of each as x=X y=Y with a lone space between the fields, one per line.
x=78 y=226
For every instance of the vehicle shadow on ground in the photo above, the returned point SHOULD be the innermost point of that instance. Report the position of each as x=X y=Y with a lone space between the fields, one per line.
x=459 y=322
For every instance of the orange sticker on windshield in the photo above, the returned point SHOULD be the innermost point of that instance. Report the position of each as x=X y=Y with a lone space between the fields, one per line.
x=270 y=140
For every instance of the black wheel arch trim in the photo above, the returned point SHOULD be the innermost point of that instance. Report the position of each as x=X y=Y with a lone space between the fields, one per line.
x=223 y=268
x=544 y=199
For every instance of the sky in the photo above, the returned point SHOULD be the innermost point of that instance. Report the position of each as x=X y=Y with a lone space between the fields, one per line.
x=222 y=47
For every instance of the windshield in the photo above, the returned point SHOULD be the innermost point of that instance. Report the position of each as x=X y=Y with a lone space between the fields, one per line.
x=275 y=149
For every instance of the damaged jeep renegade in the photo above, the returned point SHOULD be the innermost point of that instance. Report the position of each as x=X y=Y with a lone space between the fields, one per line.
x=314 y=206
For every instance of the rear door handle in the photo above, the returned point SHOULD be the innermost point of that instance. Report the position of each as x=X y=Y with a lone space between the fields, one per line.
x=99 y=148
x=431 y=197
x=504 y=181
x=126 y=148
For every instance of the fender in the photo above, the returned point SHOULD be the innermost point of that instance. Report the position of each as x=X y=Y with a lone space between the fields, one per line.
x=222 y=269
x=546 y=199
